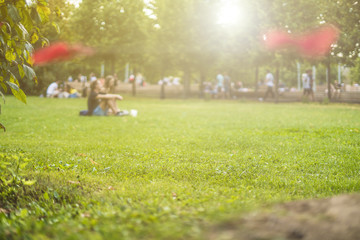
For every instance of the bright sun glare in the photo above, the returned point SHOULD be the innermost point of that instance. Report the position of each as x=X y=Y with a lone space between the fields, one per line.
x=229 y=15
x=75 y=2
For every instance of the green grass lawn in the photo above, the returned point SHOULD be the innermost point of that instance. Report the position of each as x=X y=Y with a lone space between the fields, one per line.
x=171 y=172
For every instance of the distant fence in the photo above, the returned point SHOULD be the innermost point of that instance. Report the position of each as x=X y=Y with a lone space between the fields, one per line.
x=349 y=94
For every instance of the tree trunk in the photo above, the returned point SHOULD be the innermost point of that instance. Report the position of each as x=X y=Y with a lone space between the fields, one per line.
x=277 y=77
x=256 y=78
x=202 y=80
x=162 y=91
x=162 y=87
x=112 y=66
x=134 y=83
x=329 y=78
x=186 y=82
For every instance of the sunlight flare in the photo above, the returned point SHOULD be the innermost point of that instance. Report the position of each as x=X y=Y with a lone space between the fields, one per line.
x=230 y=14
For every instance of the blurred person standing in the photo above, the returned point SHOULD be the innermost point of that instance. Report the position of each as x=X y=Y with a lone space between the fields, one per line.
x=307 y=85
x=269 y=81
x=227 y=85
x=219 y=85
x=92 y=77
x=309 y=72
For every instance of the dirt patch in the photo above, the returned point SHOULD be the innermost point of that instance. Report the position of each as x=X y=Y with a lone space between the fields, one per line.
x=336 y=218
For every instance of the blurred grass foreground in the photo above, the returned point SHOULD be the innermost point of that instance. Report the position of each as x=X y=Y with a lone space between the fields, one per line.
x=169 y=173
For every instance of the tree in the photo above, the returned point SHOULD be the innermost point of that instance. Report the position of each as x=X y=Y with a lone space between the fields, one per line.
x=18 y=22
x=186 y=38
x=51 y=29
x=117 y=29
x=355 y=72
x=172 y=40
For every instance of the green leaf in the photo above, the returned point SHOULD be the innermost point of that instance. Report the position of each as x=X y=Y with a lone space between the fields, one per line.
x=44 y=42
x=20 y=95
x=13 y=12
x=20 y=3
x=44 y=13
x=56 y=26
x=26 y=20
x=13 y=86
x=2 y=40
x=57 y=11
x=16 y=91
x=5 y=163
x=10 y=180
x=23 y=165
x=46 y=196
x=21 y=70
x=28 y=58
x=43 y=2
x=23 y=213
x=29 y=182
x=34 y=38
x=3 y=10
x=18 y=50
x=3 y=97
x=13 y=79
x=22 y=32
x=10 y=55
x=29 y=72
x=35 y=15
x=29 y=47
x=56 y=195
x=3 y=86
x=14 y=45
x=6 y=27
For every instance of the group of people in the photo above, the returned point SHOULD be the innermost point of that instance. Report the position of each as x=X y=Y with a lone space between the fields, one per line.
x=101 y=100
x=83 y=79
x=169 y=81
x=60 y=90
x=223 y=85
x=138 y=79
x=307 y=81
x=220 y=88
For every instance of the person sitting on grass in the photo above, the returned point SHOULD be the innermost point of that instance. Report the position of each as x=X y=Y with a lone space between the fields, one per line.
x=109 y=84
x=53 y=89
x=102 y=104
x=71 y=92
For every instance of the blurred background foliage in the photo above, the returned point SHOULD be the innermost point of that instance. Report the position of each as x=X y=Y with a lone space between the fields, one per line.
x=195 y=39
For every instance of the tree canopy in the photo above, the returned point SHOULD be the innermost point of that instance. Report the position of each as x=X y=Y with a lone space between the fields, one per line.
x=192 y=38
x=19 y=22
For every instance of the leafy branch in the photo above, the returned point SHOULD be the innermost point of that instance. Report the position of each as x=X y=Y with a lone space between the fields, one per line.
x=19 y=21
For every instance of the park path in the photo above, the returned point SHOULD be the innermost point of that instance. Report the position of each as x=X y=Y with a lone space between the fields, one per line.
x=336 y=218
